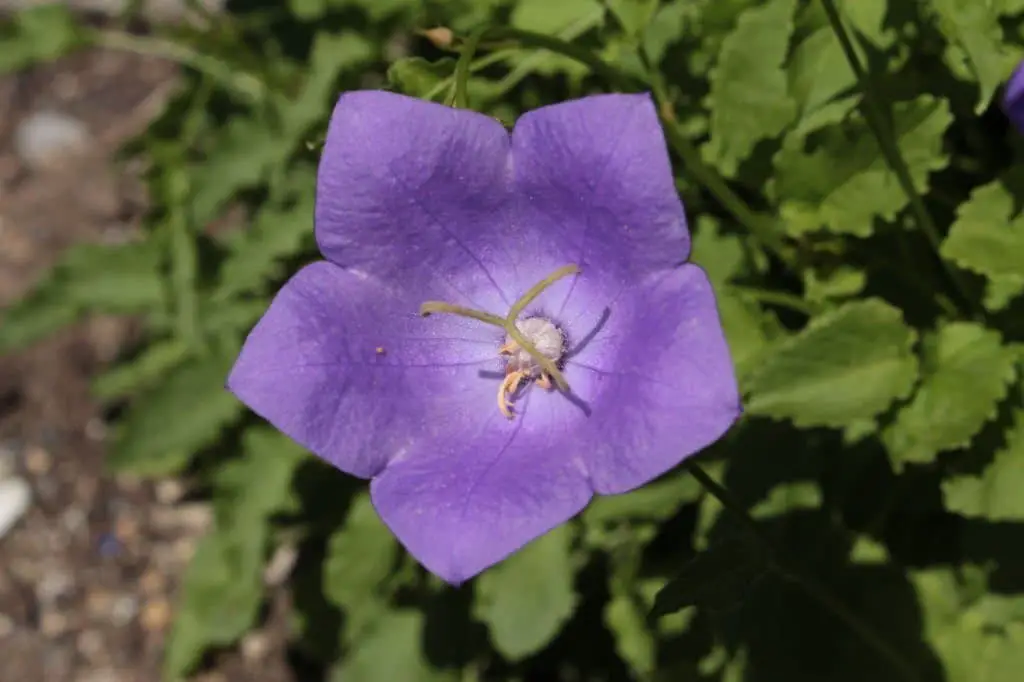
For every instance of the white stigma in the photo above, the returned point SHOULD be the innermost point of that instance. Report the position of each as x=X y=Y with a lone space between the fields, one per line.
x=545 y=337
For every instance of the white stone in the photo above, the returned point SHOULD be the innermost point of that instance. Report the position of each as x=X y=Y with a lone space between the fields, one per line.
x=46 y=137
x=15 y=496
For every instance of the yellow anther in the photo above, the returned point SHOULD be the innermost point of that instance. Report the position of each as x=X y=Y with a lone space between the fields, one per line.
x=509 y=348
x=544 y=381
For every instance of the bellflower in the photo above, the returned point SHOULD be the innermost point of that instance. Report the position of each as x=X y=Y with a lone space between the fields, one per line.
x=504 y=325
x=1013 y=98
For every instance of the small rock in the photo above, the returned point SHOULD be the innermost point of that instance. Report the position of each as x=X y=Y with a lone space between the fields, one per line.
x=100 y=675
x=95 y=430
x=15 y=496
x=153 y=581
x=53 y=585
x=8 y=457
x=156 y=615
x=169 y=491
x=126 y=529
x=99 y=604
x=6 y=626
x=37 y=460
x=46 y=137
x=53 y=623
x=123 y=610
x=89 y=643
x=73 y=519
x=255 y=646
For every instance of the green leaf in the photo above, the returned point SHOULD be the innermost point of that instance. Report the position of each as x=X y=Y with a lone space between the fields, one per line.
x=716 y=575
x=995 y=494
x=818 y=71
x=633 y=641
x=525 y=600
x=88 y=278
x=787 y=497
x=972 y=29
x=156 y=360
x=633 y=15
x=868 y=18
x=664 y=30
x=360 y=556
x=656 y=501
x=169 y=424
x=847 y=365
x=844 y=182
x=392 y=650
x=220 y=598
x=42 y=33
x=277 y=233
x=969 y=645
x=417 y=77
x=544 y=16
x=332 y=54
x=843 y=282
x=966 y=372
x=749 y=99
x=257 y=486
x=988 y=238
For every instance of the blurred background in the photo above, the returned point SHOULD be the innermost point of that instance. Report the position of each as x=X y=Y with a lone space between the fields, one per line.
x=157 y=167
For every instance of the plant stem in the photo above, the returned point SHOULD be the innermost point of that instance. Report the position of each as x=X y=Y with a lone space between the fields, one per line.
x=808 y=584
x=877 y=119
x=779 y=298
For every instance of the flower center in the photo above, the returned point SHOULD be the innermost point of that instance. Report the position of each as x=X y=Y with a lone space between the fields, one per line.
x=521 y=366
x=533 y=345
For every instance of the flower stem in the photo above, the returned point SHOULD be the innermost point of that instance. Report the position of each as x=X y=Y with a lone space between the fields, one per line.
x=460 y=95
x=877 y=119
x=808 y=584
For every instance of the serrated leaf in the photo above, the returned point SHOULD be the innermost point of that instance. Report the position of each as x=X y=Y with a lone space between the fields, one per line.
x=868 y=18
x=995 y=494
x=332 y=54
x=359 y=558
x=156 y=360
x=633 y=641
x=169 y=424
x=988 y=238
x=392 y=650
x=277 y=233
x=88 y=278
x=966 y=371
x=844 y=182
x=973 y=27
x=665 y=29
x=525 y=600
x=564 y=16
x=258 y=485
x=749 y=97
x=847 y=365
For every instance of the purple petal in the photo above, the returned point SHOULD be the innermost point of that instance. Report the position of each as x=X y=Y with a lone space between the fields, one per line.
x=593 y=177
x=471 y=498
x=347 y=368
x=657 y=375
x=415 y=192
x=1013 y=99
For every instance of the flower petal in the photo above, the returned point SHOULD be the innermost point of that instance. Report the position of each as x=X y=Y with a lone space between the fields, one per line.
x=593 y=177
x=479 y=493
x=657 y=375
x=347 y=368
x=1013 y=98
x=415 y=192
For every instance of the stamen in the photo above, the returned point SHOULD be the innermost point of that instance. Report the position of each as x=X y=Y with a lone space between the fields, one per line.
x=550 y=372
x=507 y=389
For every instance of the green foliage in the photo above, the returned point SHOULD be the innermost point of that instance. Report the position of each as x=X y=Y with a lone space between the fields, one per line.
x=873 y=484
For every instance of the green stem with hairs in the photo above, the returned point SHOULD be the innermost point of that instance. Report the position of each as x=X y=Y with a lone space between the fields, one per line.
x=878 y=121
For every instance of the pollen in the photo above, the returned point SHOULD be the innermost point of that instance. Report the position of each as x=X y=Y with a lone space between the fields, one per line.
x=521 y=367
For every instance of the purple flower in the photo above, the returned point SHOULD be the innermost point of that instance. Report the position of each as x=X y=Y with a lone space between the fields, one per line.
x=1013 y=98
x=479 y=439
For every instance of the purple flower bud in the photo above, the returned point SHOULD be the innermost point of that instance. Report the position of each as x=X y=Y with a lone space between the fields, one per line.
x=1013 y=98
x=419 y=202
